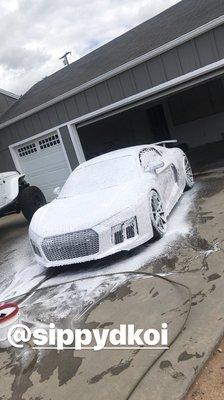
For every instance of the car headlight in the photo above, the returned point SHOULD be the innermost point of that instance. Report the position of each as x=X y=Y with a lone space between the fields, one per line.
x=125 y=230
x=34 y=241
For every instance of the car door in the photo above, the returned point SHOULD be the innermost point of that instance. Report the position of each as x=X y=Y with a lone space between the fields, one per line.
x=169 y=175
x=165 y=179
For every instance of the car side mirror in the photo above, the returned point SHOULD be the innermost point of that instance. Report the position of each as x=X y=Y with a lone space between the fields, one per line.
x=154 y=166
x=57 y=190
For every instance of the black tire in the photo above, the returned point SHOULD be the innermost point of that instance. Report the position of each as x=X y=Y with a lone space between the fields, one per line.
x=189 y=179
x=158 y=231
x=30 y=199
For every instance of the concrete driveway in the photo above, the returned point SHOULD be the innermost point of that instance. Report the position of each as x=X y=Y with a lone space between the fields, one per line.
x=191 y=252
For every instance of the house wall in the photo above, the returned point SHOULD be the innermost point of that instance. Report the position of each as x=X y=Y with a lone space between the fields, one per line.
x=195 y=117
x=5 y=102
x=189 y=56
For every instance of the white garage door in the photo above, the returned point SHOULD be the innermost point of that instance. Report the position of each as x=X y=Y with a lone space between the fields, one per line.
x=44 y=163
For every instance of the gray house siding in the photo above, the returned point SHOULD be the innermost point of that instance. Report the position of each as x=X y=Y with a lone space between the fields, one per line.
x=5 y=102
x=186 y=18
x=193 y=54
x=71 y=154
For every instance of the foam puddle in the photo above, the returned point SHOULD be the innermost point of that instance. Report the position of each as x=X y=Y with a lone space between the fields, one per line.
x=178 y=226
x=22 y=282
x=87 y=291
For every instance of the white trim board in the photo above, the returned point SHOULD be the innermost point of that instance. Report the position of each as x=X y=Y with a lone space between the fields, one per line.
x=159 y=50
x=76 y=143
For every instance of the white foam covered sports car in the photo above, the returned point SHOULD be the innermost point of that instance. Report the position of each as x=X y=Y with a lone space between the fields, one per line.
x=111 y=203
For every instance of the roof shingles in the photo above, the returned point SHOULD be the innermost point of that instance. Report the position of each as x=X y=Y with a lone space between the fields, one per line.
x=179 y=19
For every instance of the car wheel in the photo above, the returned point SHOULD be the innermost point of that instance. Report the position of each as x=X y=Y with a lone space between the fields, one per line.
x=30 y=199
x=188 y=174
x=157 y=215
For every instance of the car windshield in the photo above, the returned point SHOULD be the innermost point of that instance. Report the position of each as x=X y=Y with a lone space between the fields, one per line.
x=101 y=175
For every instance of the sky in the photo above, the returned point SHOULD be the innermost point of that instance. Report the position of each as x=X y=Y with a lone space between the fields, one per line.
x=35 y=33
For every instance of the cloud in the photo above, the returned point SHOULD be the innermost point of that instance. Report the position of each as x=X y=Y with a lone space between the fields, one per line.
x=34 y=34
x=20 y=58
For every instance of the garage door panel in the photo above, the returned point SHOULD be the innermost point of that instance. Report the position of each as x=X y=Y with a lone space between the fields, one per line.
x=44 y=162
x=51 y=179
x=46 y=174
x=48 y=161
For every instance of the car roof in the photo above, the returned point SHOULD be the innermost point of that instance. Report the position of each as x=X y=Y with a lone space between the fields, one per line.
x=127 y=151
x=8 y=174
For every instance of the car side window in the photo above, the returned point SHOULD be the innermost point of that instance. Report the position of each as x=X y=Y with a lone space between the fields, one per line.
x=148 y=156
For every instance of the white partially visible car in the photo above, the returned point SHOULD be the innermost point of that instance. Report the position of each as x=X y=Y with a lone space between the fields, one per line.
x=17 y=195
x=111 y=203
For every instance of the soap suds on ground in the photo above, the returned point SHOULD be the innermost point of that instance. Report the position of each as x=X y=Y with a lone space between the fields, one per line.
x=84 y=293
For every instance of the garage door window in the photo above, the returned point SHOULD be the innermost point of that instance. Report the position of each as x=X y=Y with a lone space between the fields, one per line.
x=49 y=141
x=27 y=150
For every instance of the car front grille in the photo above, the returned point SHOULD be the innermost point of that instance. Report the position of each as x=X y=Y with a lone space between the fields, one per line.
x=71 y=245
